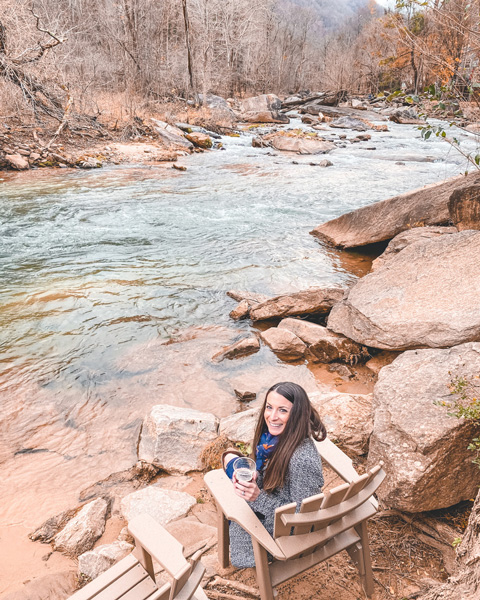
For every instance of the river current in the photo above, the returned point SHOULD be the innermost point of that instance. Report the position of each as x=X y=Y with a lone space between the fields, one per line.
x=100 y=268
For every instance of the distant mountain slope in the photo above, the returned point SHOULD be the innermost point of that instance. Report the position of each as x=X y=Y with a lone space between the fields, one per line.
x=333 y=13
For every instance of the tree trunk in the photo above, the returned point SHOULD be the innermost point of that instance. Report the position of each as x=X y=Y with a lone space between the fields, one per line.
x=187 y=41
x=465 y=584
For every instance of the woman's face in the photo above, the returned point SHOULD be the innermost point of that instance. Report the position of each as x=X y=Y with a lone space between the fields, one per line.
x=277 y=413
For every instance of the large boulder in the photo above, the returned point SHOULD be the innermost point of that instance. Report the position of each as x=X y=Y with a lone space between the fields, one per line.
x=161 y=504
x=301 y=145
x=464 y=207
x=424 y=449
x=199 y=139
x=284 y=343
x=263 y=109
x=410 y=236
x=173 y=438
x=384 y=220
x=307 y=302
x=95 y=562
x=80 y=533
x=240 y=427
x=426 y=296
x=17 y=162
x=348 y=418
x=324 y=345
x=172 y=137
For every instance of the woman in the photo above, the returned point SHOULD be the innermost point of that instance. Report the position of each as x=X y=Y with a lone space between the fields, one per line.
x=289 y=468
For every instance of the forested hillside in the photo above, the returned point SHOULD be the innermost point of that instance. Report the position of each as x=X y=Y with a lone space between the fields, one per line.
x=95 y=54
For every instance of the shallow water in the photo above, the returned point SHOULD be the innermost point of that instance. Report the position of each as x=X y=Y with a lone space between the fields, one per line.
x=98 y=267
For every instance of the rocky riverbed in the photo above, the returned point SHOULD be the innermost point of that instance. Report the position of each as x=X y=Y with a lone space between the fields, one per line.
x=83 y=405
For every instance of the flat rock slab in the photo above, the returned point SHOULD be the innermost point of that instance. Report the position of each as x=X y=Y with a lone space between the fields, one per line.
x=410 y=236
x=312 y=301
x=191 y=533
x=384 y=220
x=349 y=123
x=80 y=533
x=56 y=586
x=424 y=450
x=95 y=562
x=161 y=504
x=301 y=145
x=173 y=438
x=428 y=295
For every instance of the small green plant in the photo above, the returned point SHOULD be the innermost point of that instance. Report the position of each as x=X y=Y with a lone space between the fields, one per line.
x=456 y=542
x=465 y=404
x=245 y=449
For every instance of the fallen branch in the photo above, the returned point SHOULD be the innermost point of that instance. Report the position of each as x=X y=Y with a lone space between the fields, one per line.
x=222 y=595
x=236 y=585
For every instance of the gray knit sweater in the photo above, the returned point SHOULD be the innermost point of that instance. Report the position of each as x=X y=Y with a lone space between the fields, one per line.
x=304 y=478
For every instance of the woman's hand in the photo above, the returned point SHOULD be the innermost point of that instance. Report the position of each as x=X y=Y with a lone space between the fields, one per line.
x=248 y=490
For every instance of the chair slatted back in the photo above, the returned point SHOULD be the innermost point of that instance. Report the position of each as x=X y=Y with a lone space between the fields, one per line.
x=336 y=510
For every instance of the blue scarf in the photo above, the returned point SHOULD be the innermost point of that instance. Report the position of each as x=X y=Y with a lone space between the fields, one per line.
x=265 y=449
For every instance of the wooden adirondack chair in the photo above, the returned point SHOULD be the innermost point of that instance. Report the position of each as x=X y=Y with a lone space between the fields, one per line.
x=133 y=577
x=325 y=525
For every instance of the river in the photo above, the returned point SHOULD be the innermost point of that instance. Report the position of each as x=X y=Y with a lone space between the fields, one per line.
x=100 y=268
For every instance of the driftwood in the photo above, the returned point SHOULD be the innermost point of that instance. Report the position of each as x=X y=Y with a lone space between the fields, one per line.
x=236 y=585
x=328 y=98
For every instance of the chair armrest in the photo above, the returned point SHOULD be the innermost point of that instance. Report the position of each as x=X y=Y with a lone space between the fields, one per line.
x=236 y=509
x=339 y=462
x=160 y=544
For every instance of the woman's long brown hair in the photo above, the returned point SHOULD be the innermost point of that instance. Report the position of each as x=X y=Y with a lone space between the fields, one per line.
x=303 y=422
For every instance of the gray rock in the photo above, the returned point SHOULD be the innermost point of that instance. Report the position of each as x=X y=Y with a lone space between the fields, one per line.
x=384 y=220
x=161 y=504
x=348 y=418
x=424 y=450
x=243 y=347
x=349 y=123
x=241 y=426
x=80 y=533
x=324 y=345
x=410 y=236
x=284 y=342
x=49 y=529
x=263 y=109
x=95 y=562
x=312 y=301
x=301 y=145
x=172 y=137
x=173 y=438
x=426 y=296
